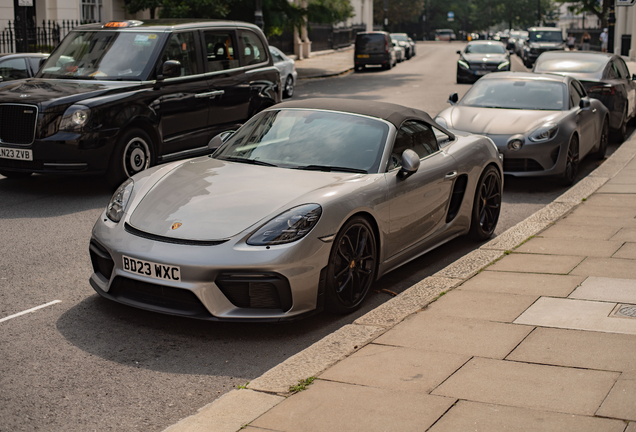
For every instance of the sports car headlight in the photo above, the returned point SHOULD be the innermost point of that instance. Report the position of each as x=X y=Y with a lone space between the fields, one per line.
x=119 y=201
x=75 y=118
x=544 y=133
x=287 y=227
x=503 y=65
x=463 y=64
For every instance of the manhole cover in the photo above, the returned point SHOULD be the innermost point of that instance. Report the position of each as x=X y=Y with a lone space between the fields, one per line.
x=624 y=311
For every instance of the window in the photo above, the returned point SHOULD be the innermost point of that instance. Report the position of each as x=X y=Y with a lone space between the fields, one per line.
x=91 y=10
x=575 y=97
x=253 y=49
x=415 y=136
x=181 y=48
x=622 y=68
x=13 y=69
x=617 y=70
x=580 y=89
x=277 y=58
x=220 y=51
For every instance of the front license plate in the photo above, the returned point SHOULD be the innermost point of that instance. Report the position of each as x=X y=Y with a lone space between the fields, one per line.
x=151 y=269
x=17 y=154
x=363 y=55
x=481 y=72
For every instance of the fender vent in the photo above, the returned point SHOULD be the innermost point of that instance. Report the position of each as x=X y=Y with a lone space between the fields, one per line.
x=458 y=196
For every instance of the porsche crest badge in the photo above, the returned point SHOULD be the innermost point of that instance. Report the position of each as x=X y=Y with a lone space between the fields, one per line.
x=176 y=225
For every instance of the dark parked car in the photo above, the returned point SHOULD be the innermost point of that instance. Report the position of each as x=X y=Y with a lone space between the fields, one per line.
x=374 y=49
x=19 y=66
x=605 y=77
x=123 y=96
x=480 y=58
x=541 y=39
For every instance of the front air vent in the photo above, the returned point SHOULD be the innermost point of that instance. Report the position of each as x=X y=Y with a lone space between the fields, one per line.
x=17 y=123
x=458 y=196
x=256 y=290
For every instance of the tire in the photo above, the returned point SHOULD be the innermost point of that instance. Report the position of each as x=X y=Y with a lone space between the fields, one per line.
x=603 y=140
x=389 y=66
x=289 y=87
x=620 y=134
x=133 y=153
x=352 y=266
x=487 y=205
x=572 y=162
x=15 y=174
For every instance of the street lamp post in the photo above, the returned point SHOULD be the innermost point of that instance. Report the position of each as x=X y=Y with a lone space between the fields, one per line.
x=611 y=21
x=258 y=15
x=539 y=12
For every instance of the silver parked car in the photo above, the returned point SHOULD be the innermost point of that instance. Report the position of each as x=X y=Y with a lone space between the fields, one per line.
x=287 y=69
x=301 y=209
x=543 y=124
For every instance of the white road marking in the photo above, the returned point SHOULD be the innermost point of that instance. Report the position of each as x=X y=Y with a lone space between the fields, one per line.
x=30 y=310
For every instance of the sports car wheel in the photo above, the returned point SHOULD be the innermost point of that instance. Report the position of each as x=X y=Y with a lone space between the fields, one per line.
x=487 y=205
x=352 y=266
x=15 y=174
x=572 y=162
x=602 y=146
x=289 y=87
x=132 y=155
x=621 y=133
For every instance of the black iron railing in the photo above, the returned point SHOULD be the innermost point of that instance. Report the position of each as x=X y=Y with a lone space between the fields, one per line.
x=29 y=37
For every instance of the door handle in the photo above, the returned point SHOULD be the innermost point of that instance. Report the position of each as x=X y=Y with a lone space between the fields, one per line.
x=450 y=175
x=210 y=94
x=594 y=110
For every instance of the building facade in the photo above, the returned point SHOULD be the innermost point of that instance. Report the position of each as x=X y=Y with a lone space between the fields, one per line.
x=625 y=31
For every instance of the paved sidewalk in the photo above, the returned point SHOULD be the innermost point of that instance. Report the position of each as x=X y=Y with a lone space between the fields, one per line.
x=534 y=331
x=324 y=64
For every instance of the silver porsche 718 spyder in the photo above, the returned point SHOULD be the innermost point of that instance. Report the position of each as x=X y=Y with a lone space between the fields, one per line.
x=543 y=124
x=301 y=209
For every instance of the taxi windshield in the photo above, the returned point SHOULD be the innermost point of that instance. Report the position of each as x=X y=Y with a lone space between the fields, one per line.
x=103 y=55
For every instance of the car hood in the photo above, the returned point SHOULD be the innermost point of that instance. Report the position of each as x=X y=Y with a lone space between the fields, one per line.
x=52 y=92
x=215 y=199
x=498 y=121
x=486 y=58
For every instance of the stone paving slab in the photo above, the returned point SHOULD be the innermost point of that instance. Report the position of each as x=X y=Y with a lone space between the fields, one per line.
x=487 y=306
x=577 y=348
x=611 y=200
x=561 y=246
x=625 y=235
x=328 y=406
x=549 y=388
x=534 y=263
x=606 y=289
x=618 y=188
x=585 y=211
x=628 y=251
x=531 y=284
x=456 y=335
x=631 y=427
x=614 y=267
x=626 y=176
x=475 y=416
x=621 y=402
x=396 y=368
x=581 y=232
x=618 y=222
x=576 y=315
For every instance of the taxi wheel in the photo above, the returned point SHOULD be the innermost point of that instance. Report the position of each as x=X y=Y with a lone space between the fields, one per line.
x=15 y=174
x=289 y=87
x=133 y=154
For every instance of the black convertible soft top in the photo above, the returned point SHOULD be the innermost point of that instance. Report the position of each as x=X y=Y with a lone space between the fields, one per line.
x=393 y=113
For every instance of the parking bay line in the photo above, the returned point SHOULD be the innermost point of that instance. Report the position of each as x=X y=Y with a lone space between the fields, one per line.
x=30 y=310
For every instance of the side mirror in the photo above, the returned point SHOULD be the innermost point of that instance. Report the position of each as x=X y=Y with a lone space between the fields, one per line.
x=634 y=77
x=584 y=103
x=410 y=163
x=219 y=139
x=171 y=69
x=459 y=52
x=453 y=98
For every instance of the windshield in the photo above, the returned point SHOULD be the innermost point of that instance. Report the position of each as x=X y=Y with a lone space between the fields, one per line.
x=399 y=36
x=370 y=43
x=485 y=49
x=103 y=55
x=305 y=139
x=546 y=36
x=573 y=63
x=516 y=94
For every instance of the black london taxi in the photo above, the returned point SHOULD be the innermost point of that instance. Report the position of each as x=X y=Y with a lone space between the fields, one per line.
x=119 y=97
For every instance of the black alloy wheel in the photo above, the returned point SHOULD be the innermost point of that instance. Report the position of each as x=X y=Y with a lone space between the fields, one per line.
x=352 y=266
x=621 y=133
x=289 y=87
x=603 y=140
x=133 y=154
x=487 y=205
x=572 y=162
x=15 y=174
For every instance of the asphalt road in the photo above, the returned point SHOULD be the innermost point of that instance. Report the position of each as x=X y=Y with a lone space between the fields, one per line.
x=89 y=364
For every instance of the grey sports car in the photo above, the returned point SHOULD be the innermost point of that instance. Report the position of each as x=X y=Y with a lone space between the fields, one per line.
x=543 y=124
x=301 y=209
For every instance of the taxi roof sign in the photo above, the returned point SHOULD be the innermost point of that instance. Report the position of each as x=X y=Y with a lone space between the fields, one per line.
x=122 y=24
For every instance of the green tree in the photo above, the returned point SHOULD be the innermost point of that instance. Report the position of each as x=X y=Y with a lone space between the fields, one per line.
x=134 y=6
x=194 y=9
x=599 y=8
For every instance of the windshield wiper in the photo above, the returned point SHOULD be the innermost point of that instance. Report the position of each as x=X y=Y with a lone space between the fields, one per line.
x=328 y=168
x=247 y=161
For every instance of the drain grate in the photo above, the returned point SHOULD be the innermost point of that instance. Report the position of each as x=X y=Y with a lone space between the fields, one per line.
x=624 y=311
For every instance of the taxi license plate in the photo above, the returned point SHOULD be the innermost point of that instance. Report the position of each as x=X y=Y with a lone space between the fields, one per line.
x=481 y=72
x=17 y=154
x=151 y=269
x=363 y=55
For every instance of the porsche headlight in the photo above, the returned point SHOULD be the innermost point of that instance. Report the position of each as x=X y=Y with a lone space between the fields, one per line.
x=75 y=118
x=503 y=65
x=119 y=201
x=544 y=133
x=463 y=64
x=287 y=227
